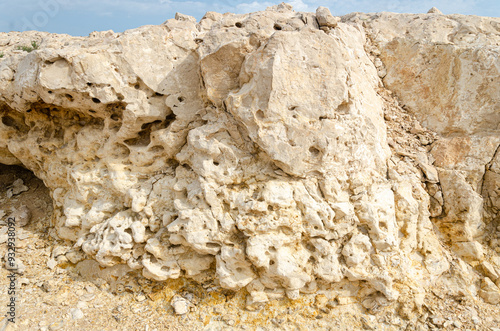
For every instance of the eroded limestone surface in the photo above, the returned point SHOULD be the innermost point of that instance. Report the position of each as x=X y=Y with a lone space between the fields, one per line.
x=278 y=151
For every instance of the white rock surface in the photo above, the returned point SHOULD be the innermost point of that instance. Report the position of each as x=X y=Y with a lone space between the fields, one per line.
x=268 y=153
x=180 y=305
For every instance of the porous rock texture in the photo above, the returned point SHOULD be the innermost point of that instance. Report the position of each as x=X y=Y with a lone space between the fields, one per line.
x=275 y=151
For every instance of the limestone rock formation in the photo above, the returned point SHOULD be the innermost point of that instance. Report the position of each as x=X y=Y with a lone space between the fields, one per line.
x=278 y=151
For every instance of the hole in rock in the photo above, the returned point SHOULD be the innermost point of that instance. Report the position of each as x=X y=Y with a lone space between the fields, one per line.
x=187 y=167
x=146 y=126
x=169 y=119
x=121 y=151
x=238 y=24
x=96 y=100
x=310 y=247
x=16 y=121
x=286 y=230
x=21 y=190
x=8 y=121
x=277 y=27
x=144 y=136
x=343 y=108
x=314 y=151
x=259 y=114
x=157 y=149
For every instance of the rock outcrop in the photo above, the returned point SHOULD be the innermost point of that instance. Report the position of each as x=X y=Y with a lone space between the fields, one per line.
x=278 y=151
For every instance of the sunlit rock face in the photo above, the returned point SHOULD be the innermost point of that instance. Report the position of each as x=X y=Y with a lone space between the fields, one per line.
x=278 y=151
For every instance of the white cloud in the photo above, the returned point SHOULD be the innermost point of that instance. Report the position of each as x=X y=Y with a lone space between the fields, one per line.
x=299 y=5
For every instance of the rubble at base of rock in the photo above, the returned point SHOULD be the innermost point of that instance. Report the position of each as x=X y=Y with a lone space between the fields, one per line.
x=279 y=151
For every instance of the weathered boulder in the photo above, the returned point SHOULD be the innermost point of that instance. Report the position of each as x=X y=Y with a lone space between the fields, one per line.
x=264 y=151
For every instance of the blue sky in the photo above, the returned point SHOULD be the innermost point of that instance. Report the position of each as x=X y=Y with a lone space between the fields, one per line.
x=80 y=17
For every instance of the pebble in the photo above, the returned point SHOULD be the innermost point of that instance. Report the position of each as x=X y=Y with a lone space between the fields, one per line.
x=58 y=250
x=229 y=320
x=17 y=188
x=17 y=266
x=180 y=305
x=61 y=259
x=87 y=297
x=76 y=313
x=438 y=321
x=51 y=263
x=74 y=256
x=320 y=301
x=47 y=286
x=325 y=17
x=56 y=326
x=22 y=216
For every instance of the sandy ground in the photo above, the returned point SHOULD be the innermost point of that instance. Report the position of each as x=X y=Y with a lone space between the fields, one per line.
x=52 y=293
